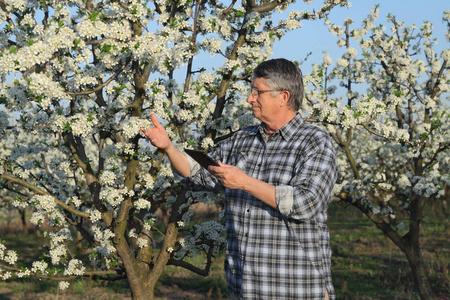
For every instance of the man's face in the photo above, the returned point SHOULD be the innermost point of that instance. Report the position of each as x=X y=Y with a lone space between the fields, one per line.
x=265 y=106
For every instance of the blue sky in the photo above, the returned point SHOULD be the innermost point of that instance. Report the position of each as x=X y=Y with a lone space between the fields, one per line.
x=314 y=36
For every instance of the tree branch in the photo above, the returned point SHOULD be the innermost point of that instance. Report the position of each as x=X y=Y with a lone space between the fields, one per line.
x=203 y=272
x=100 y=86
x=379 y=222
x=37 y=190
x=93 y=273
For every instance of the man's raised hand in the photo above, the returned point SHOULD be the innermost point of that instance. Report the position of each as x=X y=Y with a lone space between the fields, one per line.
x=157 y=135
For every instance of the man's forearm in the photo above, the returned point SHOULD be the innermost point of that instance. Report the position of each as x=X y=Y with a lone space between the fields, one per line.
x=178 y=160
x=234 y=178
x=261 y=190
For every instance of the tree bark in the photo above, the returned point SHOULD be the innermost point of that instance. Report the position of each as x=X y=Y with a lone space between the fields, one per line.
x=420 y=276
x=413 y=251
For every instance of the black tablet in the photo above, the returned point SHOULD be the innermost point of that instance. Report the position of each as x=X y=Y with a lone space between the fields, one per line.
x=202 y=158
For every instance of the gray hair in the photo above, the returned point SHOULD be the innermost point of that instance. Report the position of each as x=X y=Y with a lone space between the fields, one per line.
x=283 y=75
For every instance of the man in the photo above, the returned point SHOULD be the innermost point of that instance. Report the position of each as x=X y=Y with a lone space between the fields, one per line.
x=278 y=179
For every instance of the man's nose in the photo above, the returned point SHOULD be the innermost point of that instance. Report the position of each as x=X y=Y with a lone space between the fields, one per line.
x=250 y=98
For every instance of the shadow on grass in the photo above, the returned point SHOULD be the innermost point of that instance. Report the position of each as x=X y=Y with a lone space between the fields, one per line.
x=195 y=287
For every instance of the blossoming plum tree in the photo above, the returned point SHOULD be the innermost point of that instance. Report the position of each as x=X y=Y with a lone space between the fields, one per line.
x=390 y=120
x=78 y=78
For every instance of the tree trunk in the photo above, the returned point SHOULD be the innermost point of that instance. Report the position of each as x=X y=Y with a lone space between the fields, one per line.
x=413 y=252
x=144 y=271
x=24 y=220
x=409 y=244
x=142 y=291
x=419 y=272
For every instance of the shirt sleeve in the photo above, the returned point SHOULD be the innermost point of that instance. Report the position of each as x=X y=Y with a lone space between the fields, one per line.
x=193 y=165
x=310 y=189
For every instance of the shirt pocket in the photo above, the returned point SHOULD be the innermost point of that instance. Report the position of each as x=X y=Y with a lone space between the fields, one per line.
x=238 y=160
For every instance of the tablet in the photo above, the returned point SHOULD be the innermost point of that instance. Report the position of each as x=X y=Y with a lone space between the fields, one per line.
x=202 y=158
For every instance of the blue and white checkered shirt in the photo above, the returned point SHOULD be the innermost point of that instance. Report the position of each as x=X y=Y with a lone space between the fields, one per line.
x=275 y=254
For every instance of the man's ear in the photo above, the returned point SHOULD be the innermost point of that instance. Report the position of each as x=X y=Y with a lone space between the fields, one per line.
x=285 y=98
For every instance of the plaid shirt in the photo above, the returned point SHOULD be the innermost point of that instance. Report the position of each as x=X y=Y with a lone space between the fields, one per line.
x=275 y=254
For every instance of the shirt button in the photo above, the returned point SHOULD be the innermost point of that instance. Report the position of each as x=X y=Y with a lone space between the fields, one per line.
x=248 y=209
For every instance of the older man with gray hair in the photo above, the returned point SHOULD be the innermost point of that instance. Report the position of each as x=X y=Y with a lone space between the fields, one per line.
x=278 y=177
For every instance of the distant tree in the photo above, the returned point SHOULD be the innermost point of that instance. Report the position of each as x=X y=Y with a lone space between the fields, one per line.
x=384 y=103
x=78 y=78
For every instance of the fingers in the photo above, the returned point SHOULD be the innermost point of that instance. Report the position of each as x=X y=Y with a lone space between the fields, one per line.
x=223 y=170
x=229 y=176
x=155 y=121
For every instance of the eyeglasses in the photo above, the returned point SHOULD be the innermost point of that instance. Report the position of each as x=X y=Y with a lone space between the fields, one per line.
x=255 y=92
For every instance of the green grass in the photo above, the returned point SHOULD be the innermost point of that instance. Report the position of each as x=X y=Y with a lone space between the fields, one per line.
x=82 y=288
x=213 y=285
x=365 y=265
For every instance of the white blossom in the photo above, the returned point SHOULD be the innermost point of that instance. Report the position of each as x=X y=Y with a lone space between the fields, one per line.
x=108 y=178
x=342 y=62
x=142 y=243
x=142 y=204
x=95 y=215
x=351 y=52
x=63 y=285
x=39 y=267
x=75 y=267
x=10 y=257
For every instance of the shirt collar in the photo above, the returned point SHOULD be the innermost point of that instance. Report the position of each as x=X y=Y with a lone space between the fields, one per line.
x=288 y=130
